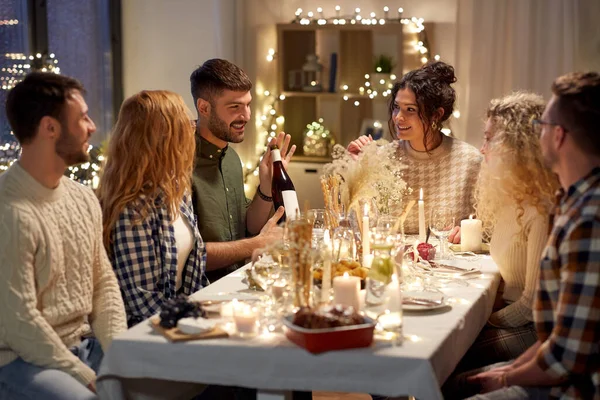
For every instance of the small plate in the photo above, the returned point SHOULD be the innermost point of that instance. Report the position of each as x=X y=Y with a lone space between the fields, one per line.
x=485 y=248
x=422 y=301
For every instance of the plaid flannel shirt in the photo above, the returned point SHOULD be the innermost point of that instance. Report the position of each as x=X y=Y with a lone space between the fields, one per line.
x=144 y=257
x=567 y=309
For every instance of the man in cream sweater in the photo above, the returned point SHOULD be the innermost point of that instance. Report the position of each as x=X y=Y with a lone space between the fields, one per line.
x=56 y=283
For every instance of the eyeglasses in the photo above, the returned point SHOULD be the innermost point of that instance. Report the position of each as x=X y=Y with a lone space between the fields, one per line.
x=538 y=124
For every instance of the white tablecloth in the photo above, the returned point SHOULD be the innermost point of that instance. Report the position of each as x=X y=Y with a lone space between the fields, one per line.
x=436 y=341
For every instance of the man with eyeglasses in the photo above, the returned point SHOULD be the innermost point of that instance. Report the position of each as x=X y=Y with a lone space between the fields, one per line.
x=565 y=362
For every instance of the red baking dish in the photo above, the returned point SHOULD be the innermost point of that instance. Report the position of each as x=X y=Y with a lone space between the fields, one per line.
x=322 y=340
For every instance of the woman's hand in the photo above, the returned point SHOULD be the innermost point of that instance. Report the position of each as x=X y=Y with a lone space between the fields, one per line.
x=356 y=146
x=454 y=236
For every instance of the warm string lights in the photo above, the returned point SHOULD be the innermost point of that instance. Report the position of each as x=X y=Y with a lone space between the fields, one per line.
x=267 y=124
x=22 y=65
x=355 y=18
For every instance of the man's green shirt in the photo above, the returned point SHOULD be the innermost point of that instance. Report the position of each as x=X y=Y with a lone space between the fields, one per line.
x=218 y=196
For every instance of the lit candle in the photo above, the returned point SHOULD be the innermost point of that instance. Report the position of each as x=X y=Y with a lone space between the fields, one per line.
x=470 y=234
x=346 y=291
x=422 y=229
x=366 y=240
x=245 y=319
x=392 y=315
x=326 y=282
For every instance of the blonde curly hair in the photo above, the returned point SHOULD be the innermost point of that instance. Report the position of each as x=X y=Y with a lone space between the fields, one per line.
x=150 y=158
x=516 y=173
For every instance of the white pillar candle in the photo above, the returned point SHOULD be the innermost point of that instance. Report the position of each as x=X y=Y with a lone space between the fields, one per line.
x=366 y=239
x=422 y=229
x=346 y=291
x=326 y=282
x=470 y=234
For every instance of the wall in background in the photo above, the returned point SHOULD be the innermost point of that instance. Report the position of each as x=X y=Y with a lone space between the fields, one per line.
x=163 y=41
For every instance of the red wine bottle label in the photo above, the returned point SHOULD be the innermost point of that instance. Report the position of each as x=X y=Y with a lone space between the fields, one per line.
x=290 y=203
x=276 y=155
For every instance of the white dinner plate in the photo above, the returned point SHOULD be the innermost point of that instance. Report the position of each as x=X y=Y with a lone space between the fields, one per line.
x=422 y=301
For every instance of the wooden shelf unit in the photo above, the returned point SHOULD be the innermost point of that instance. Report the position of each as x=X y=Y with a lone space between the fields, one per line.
x=356 y=47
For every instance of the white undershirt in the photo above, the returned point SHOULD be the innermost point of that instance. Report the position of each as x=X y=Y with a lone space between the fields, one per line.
x=184 y=240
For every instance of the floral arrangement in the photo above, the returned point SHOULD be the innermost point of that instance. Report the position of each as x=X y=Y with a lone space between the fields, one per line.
x=376 y=173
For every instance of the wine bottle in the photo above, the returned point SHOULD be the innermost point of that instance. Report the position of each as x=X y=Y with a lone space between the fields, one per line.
x=282 y=188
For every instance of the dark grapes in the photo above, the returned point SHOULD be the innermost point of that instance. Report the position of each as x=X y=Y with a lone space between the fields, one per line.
x=177 y=308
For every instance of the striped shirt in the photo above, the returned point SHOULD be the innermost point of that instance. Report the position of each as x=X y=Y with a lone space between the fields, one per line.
x=567 y=309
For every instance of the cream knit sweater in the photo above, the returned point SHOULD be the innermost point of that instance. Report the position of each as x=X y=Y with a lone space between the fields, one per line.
x=56 y=279
x=518 y=259
x=447 y=175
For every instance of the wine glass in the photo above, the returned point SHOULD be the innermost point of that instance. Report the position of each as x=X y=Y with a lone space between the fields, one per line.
x=319 y=222
x=387 y=223
x=441 y=223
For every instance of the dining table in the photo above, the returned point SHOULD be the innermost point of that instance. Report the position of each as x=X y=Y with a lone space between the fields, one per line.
x=141 y=363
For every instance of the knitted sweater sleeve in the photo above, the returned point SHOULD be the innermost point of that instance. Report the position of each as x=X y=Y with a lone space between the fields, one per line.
x=108 y=312
x=23 y=327
x=519 y=313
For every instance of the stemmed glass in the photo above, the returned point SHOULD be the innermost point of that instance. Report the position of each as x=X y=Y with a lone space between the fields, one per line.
x=318 y=218
x=441 y=223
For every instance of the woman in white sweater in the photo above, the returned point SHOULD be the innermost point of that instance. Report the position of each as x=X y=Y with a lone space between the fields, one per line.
x=514 y=196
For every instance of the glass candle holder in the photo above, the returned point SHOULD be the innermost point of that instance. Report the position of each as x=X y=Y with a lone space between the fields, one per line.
x=246 y=319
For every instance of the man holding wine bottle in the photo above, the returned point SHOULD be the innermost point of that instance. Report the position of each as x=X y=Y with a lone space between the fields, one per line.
x=231 y=225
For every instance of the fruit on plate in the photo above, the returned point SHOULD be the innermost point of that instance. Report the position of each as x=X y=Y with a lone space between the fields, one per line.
x=177 y=308
x=426 y=251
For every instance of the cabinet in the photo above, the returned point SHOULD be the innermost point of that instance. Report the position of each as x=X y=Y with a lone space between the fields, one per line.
x=356 y=46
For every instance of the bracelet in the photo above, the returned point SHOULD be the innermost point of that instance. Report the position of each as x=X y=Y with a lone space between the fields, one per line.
x=263 y=196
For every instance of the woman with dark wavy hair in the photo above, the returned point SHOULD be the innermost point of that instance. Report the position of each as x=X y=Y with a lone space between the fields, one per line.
x=446 y=168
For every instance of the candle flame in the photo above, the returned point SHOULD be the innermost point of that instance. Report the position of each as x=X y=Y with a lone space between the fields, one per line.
x=346 y=275
x=421 y=194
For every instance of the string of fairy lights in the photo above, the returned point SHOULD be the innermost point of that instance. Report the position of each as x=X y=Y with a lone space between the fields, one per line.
x=271 y=120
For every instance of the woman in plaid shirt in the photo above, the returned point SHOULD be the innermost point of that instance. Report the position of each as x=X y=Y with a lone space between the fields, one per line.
x=150 y=229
